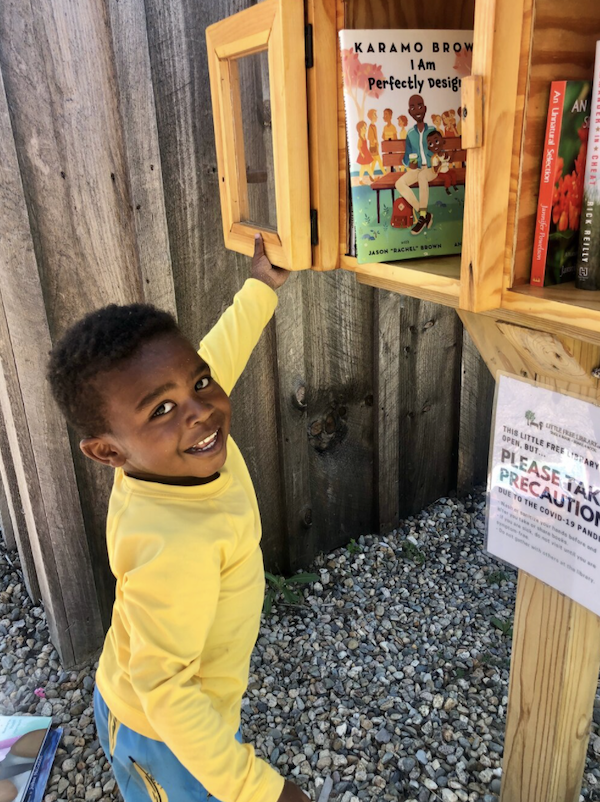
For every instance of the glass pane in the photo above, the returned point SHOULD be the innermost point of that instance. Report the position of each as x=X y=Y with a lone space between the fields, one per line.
x=255 y=104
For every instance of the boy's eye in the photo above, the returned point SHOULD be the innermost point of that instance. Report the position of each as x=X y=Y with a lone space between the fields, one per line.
x=203 y=383
x=163 y=409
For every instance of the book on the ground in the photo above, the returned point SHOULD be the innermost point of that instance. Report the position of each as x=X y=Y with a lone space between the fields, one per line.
x=556 y=241
x=27 y=748
x=588 y=261
x=403 y=124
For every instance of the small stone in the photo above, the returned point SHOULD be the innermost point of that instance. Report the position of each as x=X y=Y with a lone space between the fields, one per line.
x=93 y=794
x=353 y=644
x=448 y=795
x=422 y=757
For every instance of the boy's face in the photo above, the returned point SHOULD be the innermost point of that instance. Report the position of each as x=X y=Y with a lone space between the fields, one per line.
x=169 y=420
x=434 y=143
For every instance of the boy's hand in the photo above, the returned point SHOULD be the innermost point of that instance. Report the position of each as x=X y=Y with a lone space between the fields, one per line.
x=292 y=793
x=263 y=270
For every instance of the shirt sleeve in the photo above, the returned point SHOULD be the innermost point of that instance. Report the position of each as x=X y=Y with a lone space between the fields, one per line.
x=228 y=345
x=166 y=655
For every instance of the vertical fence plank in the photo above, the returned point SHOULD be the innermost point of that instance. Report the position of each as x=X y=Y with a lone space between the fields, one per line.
x=338 y=325
x=61 y=551
x=13 y=514
x=58 y=65
x=430 y=347
x=138 y=115
x=476 y=398
x=388 y=310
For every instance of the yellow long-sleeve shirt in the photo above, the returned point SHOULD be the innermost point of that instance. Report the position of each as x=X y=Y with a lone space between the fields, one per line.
x=189 y=592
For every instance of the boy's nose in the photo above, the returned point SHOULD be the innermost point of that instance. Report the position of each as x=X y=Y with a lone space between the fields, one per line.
x=198 y=411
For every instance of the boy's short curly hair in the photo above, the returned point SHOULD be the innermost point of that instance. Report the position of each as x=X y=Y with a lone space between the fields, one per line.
x=99 y=342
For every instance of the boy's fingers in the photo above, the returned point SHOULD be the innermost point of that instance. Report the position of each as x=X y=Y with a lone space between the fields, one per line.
x=259 y=246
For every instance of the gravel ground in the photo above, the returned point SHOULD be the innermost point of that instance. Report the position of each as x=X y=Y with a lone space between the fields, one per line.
x=391 y=679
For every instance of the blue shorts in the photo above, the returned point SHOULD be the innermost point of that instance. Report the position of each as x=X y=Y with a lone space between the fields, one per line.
x=144 y=769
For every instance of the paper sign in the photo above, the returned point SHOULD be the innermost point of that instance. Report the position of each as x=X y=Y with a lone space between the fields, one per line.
x=544 y=488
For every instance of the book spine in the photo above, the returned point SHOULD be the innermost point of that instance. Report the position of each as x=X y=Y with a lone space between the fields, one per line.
x=588 y=261
x=547 y=181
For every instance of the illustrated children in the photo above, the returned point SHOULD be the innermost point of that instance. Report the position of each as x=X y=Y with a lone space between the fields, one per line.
x=440 y=161
x=374 y=142
x=449 y=120
x=417 y=158
x=389 y=129
x=183 y=538
x=402 y=123
x=364 y=157
x=437 y=122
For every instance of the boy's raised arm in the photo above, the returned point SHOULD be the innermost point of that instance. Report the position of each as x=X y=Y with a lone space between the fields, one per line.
x=228 y=345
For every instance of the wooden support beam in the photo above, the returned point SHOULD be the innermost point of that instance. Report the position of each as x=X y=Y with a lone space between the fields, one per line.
x=556 y=642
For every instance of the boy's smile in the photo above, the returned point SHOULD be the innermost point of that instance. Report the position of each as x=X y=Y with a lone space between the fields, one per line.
x=169 y=420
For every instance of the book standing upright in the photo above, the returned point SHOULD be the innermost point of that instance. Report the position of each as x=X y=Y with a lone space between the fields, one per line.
x=403 y=120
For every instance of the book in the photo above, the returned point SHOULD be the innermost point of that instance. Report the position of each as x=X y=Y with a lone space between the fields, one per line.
x=27 y=748
x=556 y=241
x=587 y=276
x=403 y=121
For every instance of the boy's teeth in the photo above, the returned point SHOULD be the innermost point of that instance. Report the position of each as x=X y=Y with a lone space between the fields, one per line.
x=206 y=440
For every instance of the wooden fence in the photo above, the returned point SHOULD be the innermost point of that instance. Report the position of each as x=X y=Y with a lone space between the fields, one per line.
x=358 y=407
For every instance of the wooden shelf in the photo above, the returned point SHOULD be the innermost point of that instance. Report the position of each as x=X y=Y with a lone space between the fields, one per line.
x=562 y=309
x=435 y=279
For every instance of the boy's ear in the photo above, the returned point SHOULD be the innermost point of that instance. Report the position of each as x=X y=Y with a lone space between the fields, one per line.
x=103 y=451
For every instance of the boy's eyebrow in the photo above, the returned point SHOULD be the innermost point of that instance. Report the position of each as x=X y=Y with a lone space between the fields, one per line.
x=154 y=394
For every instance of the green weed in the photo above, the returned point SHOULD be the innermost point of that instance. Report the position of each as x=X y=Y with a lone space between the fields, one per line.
x=280 y=589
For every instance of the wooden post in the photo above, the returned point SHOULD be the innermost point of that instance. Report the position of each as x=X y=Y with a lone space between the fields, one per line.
x=556 y=642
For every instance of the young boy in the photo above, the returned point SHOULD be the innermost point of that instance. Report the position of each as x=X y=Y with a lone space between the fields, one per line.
x=183 y=534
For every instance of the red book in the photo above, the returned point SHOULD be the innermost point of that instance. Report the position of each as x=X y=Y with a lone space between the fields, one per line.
x=561 y=184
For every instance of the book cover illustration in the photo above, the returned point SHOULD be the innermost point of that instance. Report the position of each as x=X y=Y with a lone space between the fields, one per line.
x=27 y=749
x=403 y=120
x=587 y=275
x=561 y=184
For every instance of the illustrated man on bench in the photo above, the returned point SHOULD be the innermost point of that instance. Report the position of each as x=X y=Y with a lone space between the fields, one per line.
x=417 y=158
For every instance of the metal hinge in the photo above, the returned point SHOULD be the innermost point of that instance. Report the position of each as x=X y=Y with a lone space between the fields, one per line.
x=314 y=227
x=308 y=46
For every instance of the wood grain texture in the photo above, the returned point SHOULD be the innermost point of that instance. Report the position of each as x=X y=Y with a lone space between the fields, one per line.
x=430 y=346
x=338 y=325
x=388 y=423
x=8 y=534
x=322 y=93
x=13 y=516
x=56 y=527
x=496 y=48
x=556 y=642
x=476 y=398
x=138 y=116
x=206 y=276
x=57 y=60
x=436 y=279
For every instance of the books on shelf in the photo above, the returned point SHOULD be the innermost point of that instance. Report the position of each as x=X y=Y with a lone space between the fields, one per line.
x=556 y=238
x=27 y=748
x=588 y=260
x=403 y=121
